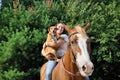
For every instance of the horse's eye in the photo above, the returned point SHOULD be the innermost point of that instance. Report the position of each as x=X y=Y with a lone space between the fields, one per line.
x=73 y=42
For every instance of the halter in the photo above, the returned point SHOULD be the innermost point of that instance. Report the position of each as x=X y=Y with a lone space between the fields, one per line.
x=77 y=74
x=72 y=34
x=73 y=56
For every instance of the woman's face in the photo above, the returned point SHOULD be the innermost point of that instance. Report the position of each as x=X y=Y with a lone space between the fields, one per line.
x=60 y=28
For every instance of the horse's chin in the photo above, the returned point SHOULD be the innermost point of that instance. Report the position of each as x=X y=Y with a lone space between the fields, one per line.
x=85 y=74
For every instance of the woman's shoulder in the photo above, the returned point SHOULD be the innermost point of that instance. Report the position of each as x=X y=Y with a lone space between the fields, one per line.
x=64 y=36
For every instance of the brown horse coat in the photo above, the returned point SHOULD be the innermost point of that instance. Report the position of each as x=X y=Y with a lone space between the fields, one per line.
x=70 y=67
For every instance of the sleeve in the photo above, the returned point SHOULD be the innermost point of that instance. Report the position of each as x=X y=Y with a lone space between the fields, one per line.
x=65 y=37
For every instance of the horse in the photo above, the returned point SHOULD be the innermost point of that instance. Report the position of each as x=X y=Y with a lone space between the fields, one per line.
x=76 y=63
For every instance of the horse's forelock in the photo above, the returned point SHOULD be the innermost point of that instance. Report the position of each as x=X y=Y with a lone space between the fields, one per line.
x=81 y=31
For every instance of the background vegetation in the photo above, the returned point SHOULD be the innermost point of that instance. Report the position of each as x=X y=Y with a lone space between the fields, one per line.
x=23 y=29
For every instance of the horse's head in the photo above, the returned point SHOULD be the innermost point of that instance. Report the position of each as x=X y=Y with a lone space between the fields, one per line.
x=80 y=46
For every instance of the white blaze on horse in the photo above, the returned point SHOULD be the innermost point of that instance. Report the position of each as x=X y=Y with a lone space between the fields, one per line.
x=76 y=63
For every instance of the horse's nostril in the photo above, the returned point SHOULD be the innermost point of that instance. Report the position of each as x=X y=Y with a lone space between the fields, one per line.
x=93 y=68
x=84 y=67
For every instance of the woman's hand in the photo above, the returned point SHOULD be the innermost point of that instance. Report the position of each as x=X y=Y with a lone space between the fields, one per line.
x=47 y=43
x=44 y=45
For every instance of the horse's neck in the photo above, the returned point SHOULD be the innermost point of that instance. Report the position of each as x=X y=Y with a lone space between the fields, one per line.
x=69 y=62
x=70 y=65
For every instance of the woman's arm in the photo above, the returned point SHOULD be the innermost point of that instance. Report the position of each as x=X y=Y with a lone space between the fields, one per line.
x=56 y=44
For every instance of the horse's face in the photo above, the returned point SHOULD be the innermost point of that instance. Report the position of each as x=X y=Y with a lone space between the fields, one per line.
x=80 y=46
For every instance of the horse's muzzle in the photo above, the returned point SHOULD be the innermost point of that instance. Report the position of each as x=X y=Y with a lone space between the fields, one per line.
x=88 y=68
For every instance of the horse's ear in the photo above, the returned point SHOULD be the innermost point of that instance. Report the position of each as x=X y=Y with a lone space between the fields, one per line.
x=67 y=28
x=87 y=27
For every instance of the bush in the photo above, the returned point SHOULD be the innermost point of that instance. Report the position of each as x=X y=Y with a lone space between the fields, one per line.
x=13 y=75
x=23 y=32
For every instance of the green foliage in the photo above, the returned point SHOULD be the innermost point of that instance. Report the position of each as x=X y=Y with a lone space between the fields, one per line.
x=13 y=75
x=23 y=32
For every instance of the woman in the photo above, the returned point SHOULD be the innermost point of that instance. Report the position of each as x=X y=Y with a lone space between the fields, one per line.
x=61 y=45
